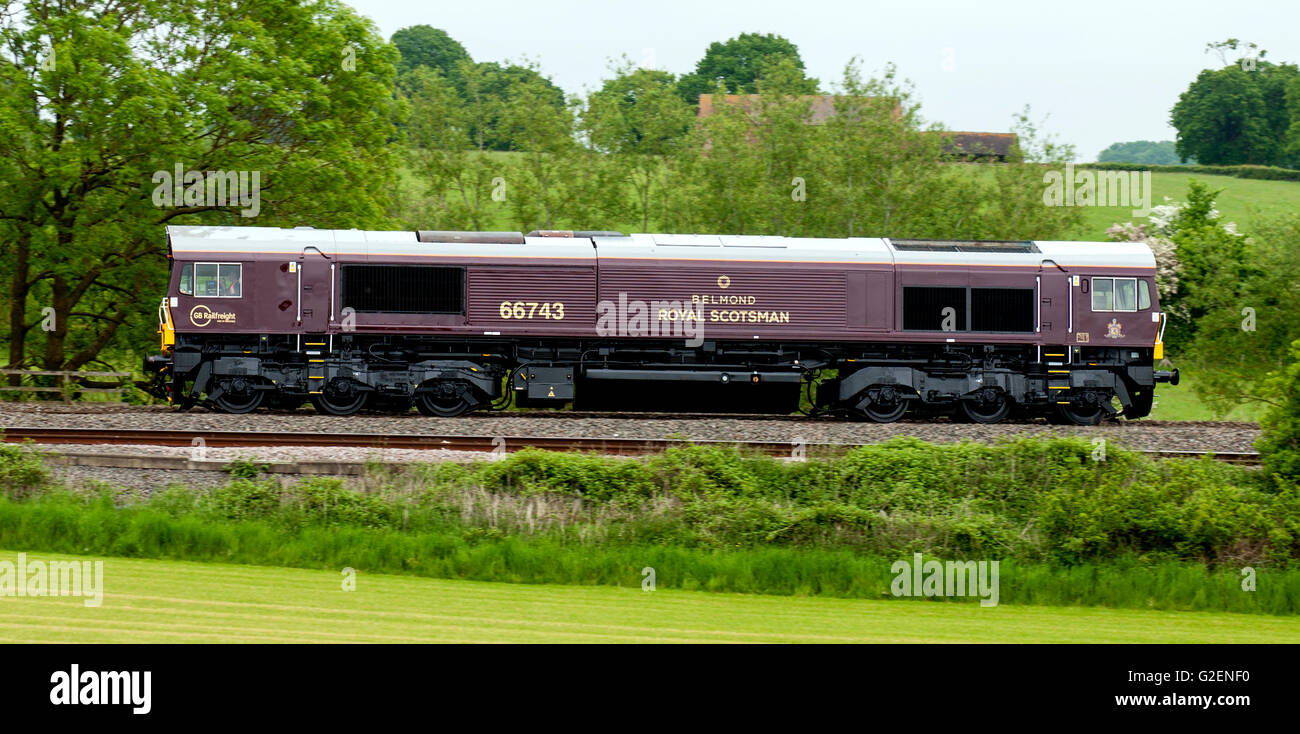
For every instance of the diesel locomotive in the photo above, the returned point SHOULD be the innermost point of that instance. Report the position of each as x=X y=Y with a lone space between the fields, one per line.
x=452 y=322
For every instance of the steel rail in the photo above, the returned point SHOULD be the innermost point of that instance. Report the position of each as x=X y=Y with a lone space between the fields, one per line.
x=615 y=446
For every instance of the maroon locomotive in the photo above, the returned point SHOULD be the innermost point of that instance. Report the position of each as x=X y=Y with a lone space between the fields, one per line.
x=458 y=321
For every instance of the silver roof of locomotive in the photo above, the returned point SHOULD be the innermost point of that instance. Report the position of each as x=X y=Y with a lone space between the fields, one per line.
x=273 y=240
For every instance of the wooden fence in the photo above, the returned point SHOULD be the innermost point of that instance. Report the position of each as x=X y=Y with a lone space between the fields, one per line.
x=69 y=382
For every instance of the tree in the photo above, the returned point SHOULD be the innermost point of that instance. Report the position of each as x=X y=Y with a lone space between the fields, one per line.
x=1279 y=446
x=637 y=119
x=1149 y=152
x=492 y=85
x=871 y=169
x=1247 y=331
x=543 y=134
x=1236 y=115
x=459 y=174
x=430 y=48
x=736 y=65
x=1214 y=260
x=100 y=108
x=1293 y=130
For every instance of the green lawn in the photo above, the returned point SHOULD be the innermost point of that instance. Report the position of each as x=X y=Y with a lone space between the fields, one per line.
x=170 y=601
x=1242 y=201
x=1181 y=403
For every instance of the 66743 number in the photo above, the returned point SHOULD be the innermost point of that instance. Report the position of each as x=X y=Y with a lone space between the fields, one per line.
x=531 y=310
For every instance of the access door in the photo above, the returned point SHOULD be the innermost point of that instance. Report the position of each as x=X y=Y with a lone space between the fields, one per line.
x=315 y=291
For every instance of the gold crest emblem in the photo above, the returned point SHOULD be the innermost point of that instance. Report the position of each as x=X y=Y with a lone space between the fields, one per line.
x=1114 y=330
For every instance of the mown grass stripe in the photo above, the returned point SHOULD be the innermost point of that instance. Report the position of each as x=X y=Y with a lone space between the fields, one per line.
x=295 y=605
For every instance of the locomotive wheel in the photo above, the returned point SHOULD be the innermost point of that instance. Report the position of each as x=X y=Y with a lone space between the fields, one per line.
x=432 y=405
x=1086 y=412
x=988 y=405
x=340 y=398
x=238 y=395
x=883 y=404
x=446 y=400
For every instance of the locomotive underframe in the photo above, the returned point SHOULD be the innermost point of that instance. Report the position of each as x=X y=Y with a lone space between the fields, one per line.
x=450 y=375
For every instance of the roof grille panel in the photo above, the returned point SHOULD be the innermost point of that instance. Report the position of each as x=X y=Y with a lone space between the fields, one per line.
x=995 y=246
x=479 y=238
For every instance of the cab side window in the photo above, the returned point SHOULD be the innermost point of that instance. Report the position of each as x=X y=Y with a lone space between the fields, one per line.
x=217 y=280
x=187 y=280
x=1125 y=294
x=229 y=281
x=1119 y=294
x=1103 y=294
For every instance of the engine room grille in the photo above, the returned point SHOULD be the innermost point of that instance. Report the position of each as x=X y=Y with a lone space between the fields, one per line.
x=404 y=289
x=923 y=308
x=1002 y=309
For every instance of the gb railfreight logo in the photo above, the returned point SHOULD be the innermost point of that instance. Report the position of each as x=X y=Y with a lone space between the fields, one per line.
x=76 y=687
x=201 y=315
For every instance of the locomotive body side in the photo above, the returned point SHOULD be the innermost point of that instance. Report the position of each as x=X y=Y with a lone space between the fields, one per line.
x=452 y=321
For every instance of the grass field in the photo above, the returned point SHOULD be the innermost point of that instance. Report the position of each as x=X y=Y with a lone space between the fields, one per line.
x=1242 y=200
x=1180 y=403
x=169 y=601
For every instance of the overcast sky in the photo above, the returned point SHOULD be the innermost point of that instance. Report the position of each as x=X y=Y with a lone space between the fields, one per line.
x=1100 y=72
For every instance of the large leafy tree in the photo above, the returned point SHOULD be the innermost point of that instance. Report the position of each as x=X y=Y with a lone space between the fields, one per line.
x=1236 y=115
x=101 y=98
x=448 y=153
x=1247 y=300
x=428 y=47
x=637 y=118
x=1279 y=446
x=737 y=64
x=870 y=169
x=488 y=87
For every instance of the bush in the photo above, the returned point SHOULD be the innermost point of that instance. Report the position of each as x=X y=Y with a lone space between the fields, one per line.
x=22 y=470
x=242 y=467
x=1031 y=499
x=1279 y=446
x=1266 y=173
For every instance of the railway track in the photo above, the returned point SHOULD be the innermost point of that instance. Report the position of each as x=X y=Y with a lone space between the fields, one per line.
x=614 y=446
x=560 y=415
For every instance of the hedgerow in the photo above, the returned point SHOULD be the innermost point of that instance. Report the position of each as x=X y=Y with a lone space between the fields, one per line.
x=1042 y=500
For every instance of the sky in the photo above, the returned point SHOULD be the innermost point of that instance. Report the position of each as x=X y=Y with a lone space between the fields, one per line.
x=1093 y=73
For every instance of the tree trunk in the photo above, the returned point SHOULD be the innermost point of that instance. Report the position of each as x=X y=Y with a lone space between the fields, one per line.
x=18 y=289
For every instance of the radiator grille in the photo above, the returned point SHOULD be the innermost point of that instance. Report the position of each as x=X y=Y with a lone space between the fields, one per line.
x=1002 y=309
x=923 y=308
x=404 y=289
